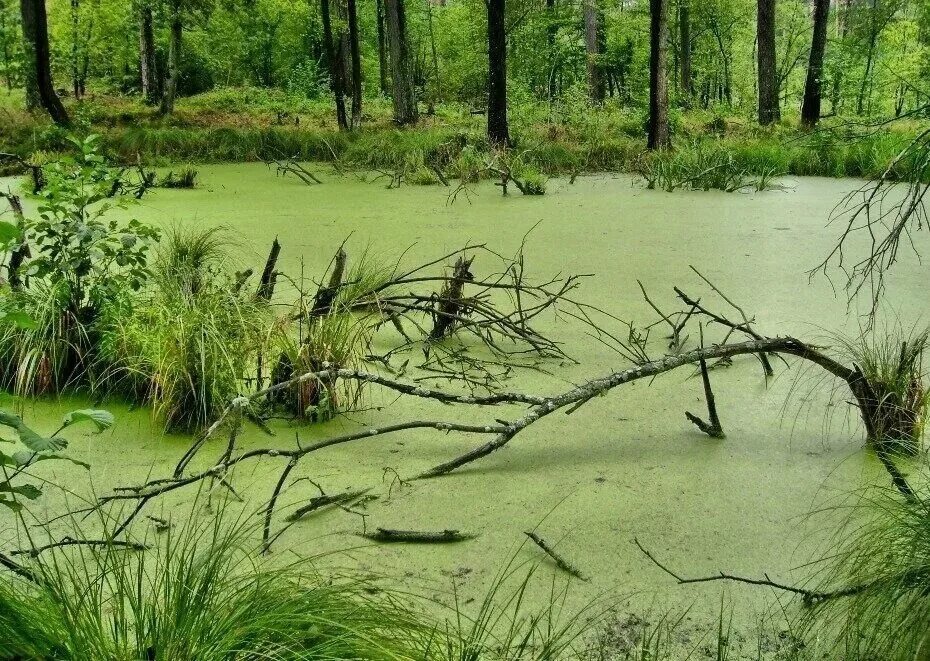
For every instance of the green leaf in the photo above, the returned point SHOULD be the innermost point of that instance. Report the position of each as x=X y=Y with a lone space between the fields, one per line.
x=29 y=491
x=28 y=437
x=8 y=232
x=24 y=457
x=102 y=419
x=11 y=504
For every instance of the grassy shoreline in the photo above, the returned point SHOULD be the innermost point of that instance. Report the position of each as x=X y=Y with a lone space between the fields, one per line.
x=242 y=125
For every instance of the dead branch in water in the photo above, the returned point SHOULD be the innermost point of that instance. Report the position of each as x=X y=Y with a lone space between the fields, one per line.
x=887 y=212
x=390 y=536
x=498 y=431
x=809 y=596
x=712 y=427
x=560 y=562
x=291 y=167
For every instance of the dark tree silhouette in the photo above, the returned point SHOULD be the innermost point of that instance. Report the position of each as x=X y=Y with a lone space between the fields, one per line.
x=405 y=101
x=659 y=137
x=38 y=59
x=769 y=110
x=498 y=132
x=810 y=109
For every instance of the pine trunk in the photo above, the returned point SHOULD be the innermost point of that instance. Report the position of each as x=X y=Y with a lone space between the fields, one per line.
x=810 y=109
x=39 y=69
x=684 y=26
x=170 y=87
x=356 y=66
x=405 y=103
x=382 y=52
x=336 y=82
x=769 y=110
x=148 y=69
x=498 y=132
x=592 y=48
x=659 y=137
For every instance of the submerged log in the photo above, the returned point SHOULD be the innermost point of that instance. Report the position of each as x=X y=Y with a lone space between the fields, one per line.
x=326 y=295
x=325 y=500
x=449 y=303
x=388 y=535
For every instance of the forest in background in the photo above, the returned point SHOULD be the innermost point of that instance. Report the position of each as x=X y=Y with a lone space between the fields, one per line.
x=563 y=70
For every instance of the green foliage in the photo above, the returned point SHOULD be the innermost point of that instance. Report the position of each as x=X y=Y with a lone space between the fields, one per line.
x=77 y=262
x=34 y=448
x=185 y=178
x=892 y=363
x=702 y=168
x=883 y=555
x=71 y=243
x=203 y=594
x=186 y=343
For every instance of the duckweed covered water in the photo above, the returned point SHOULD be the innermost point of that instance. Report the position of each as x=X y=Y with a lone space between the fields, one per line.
x=626 y=465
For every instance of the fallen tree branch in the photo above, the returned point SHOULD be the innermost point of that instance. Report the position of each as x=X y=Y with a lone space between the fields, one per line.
x=390 y=536
x=560 y=562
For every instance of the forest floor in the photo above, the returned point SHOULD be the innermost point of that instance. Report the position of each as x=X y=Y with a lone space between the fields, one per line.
x=248 y=124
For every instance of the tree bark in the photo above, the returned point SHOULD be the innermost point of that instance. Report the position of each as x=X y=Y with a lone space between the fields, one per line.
x=382 y=52
x=336 y=82
x=170 y=86
x=405 y=102
x=769 y=110
x=148 y=69
x=552 y=30
x=498 y=131
x=810 y=109
x=38 y=60
x=592 y=49
x=356 y=65
x=659 y=137
x=684 y=26
x=874 y=29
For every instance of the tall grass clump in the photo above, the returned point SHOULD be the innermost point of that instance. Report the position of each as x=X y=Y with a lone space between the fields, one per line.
x=892 y=364
x=335 y=326
x=881 y=561
x=705 y=168
x=186 y=343
x=201 y=594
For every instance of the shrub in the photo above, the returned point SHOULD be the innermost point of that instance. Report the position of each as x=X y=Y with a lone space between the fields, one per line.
x=186 y=344
x=203 y=594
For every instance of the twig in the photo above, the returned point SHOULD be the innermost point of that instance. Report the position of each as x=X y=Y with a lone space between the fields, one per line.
x=388 y=535
x=560 y=562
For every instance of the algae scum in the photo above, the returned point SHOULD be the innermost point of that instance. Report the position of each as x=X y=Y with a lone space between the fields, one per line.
x=628 y=464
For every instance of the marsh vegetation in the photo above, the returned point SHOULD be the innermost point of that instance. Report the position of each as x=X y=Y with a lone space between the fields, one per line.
x=498 y=331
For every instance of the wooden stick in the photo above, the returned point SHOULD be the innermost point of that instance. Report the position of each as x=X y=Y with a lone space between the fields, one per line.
x=388 y=535
x=560 y=562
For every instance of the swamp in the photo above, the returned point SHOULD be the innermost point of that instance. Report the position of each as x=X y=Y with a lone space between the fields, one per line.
x=349 y=332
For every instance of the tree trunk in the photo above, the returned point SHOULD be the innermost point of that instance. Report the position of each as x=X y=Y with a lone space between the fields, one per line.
x=498 y=132
x=551 y=31
x=769 y=110
x=356 y=66
x=76 y=86
x=170 y=86
x=592 y=49
x=336 y=82
x=684 y=25
x=39 y=69
x=842 y=16
x=382 y=52
x=869 y=58
x=405 y=102
x=344 y=45
x=810 y=109
x=659 y=137
x=148 y=69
